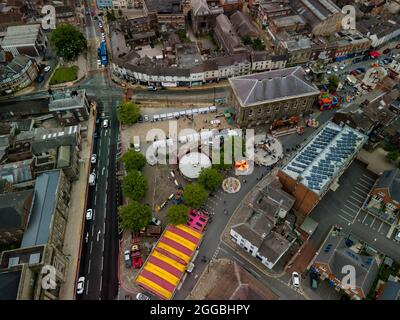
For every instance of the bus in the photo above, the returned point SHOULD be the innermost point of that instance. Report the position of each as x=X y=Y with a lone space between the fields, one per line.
x=103 y=53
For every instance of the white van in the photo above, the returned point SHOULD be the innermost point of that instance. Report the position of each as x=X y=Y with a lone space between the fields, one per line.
x=135 y=143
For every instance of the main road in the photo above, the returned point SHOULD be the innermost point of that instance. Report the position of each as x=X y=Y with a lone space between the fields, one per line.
x=99 y=254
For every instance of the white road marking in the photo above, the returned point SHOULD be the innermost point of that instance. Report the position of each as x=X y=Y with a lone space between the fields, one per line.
x=102 y=171
x=102 y=262
x=89 y=266
x=373 y=221
x=362 y=196
x=344 y=218
x=351 y=209
x=346 y=213
x=358 y=207
x=92 y=229
x=103 y=245
x=361 y=190
x=367 y=187
x=366 y=215
x=98 y=235
x=101 y=283
x=380 y=227
x=368 y=178
x=356 y=200
x=91 y=247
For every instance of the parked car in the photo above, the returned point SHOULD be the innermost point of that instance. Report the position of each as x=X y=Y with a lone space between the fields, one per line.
x=93 y=158
x=313 y=280
x=141 y=296
x=386 y=51
x=105 y=123
x=296 y=279
x=47 y=69
x=155 y=221
x=92 y=179
x=81 y=285
x=140 y=120
x=89 y=214
x=145 y=118
x=127 y=258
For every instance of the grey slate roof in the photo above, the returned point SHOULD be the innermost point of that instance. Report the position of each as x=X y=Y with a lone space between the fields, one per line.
x=164 y=6
x=199 y=7
x=242 y=24
x=9 y=283
x=274 y=246
x=272 y=85
x=391 y=291
x=40 y=222
x=11 y=209
x=390 y=179
x=336 y=254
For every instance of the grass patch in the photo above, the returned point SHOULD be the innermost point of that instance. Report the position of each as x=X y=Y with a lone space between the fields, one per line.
x=62 y=75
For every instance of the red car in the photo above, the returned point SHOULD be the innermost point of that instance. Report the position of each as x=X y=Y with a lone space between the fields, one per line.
x=136 y=257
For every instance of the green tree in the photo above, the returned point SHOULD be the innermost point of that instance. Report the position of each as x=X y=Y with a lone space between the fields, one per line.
x=177 y=214
x=333 y=83
x=247 y=41
x=133 y=160
x=128 y=113
x=134 y=185
x=134 y=216
x=393 y=155
x=195 y=195
x=210 y=178
x=258 y=45
x=68 y=41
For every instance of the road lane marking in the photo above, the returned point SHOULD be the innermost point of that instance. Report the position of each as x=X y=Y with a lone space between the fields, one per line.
x=369 y=178
x=351 y=209
x=347 y=214
x=91 y=247
x=101 y=283
x=358 y=207
x=102 y=171
x=366 y=184
x=362 y=196
x=373 y=221
x=98 y=235
x=92 y=230
x=89 y=266
x=87 y=287
x=344 y=218
x=356 y=200
x=102 y=262
x=361 y=190
x=380 y=227
x=104 y=227
x=103 y=245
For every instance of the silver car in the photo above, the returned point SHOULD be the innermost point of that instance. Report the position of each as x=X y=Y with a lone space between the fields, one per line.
x=81 y=285
x=141 y=296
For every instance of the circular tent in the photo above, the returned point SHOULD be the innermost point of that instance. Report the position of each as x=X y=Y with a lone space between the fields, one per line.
x=191 y=164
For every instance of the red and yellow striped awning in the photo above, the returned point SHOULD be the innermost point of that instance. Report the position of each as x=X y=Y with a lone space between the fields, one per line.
x=165 y=266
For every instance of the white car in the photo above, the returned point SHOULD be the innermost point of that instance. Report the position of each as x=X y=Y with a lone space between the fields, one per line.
x=141 y=296
x=296 y=279
x=81 y=285
x=335 y=69
x=155 y=221
x=328 y=72
x=92 y=179
x=99 y=63
x=47 y=69
x=105 y=123
x=342 y=67
x=93 y=158
x=145 y=118
x=89 y=214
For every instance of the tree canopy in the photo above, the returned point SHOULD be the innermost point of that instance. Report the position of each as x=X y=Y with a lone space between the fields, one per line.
x=128 y=112
x=134 y=185
x=195 y=195
x=68 y=41
x=210 y=178
x=177 y=214
x=134 y=216
x=133 y=160
x=333 y=83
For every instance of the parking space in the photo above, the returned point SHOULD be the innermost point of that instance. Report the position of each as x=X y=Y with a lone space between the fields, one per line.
x=344 y=208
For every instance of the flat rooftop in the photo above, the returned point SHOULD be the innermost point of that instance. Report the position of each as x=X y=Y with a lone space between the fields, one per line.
x=319 y=162
x=21 y=35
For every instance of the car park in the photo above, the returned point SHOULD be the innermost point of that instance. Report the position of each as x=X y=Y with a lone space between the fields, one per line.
x=93 y=158
x=89 y=214
x=141 y=296
x=295 y=279
x=80 y=287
